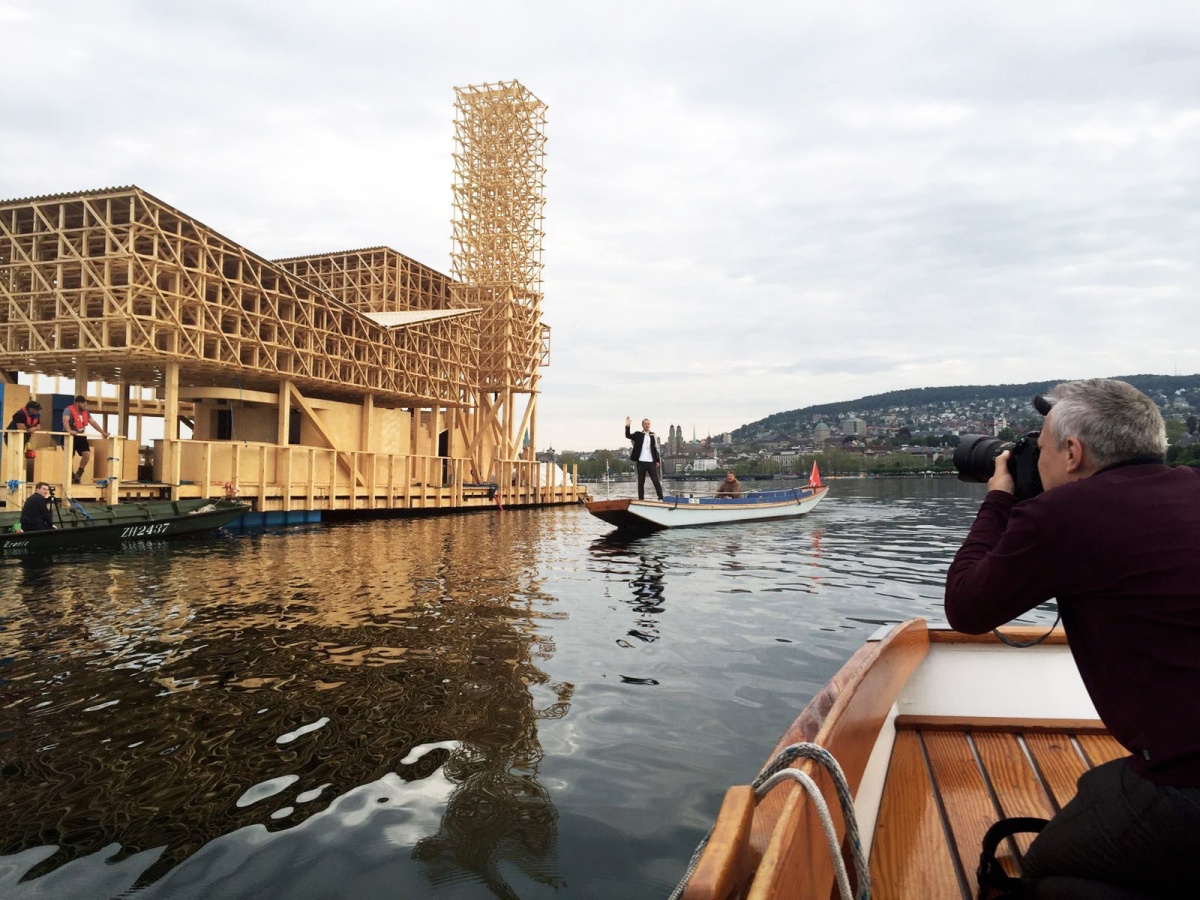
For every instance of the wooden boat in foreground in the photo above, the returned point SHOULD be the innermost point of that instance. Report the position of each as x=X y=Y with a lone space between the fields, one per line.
x=939 y=735
x=80 y=525
x=676 y=511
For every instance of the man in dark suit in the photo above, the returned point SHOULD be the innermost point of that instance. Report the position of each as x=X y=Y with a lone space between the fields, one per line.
x=645 y=455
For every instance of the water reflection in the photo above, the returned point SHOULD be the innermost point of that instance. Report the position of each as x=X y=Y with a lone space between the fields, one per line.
x=647 y=599
x=511 y=705
x=144 y=703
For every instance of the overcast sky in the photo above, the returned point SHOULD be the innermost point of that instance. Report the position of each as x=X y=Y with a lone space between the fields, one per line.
x=751 y=207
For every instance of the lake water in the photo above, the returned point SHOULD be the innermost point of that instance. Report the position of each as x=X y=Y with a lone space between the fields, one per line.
x=506 y=704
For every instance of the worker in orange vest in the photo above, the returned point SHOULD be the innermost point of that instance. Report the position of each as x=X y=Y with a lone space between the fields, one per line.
x=75 y=420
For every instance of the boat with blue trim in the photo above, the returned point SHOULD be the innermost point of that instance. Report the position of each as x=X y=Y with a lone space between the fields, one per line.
x=681 y=511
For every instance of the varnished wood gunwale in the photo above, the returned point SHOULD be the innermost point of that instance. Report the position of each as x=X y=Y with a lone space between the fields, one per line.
x=726 y=864
x=999 y=724
x=845 y=718
x=1018 y=633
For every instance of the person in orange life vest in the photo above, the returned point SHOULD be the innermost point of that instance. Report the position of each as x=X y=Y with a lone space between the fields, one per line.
x=27 y=419
x=75 y=420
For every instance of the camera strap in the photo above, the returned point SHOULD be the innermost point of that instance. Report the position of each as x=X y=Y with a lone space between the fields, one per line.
x=1021 y=645
x=991 y=875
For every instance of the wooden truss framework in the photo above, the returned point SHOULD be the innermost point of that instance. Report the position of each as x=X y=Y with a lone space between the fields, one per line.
x=499 y=202
x=122 y=284
x=375 y=280
x=119 y=287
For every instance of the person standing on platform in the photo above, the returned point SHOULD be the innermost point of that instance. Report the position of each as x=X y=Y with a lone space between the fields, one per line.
x=75 y=420
x=645 y=456
x=27 y=419
x=36 y=514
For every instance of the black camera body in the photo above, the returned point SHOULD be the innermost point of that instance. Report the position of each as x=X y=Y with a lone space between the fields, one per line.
x=975 y=456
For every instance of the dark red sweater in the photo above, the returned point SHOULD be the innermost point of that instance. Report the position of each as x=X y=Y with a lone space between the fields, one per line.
x=1121 y=552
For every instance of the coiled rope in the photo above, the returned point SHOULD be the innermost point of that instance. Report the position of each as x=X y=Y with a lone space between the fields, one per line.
x=777 y=772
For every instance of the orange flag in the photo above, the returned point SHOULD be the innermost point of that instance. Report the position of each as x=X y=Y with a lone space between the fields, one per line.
x=815 y=478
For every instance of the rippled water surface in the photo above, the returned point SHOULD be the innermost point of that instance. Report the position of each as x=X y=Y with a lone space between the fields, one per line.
x=507 y=704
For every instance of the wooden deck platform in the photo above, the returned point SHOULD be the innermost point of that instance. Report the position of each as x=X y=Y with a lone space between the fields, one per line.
x=948 y=781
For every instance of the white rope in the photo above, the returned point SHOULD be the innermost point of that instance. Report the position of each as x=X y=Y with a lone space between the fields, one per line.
x=814 y=792
x=819 y=754
x=777 y=771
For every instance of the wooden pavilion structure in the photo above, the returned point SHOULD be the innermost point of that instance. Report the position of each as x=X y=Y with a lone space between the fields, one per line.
x=356 y=380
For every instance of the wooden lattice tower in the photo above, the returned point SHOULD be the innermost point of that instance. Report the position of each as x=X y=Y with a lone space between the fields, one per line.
x=499 y=200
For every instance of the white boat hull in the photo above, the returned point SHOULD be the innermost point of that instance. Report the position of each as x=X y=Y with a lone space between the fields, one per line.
x=677 y=512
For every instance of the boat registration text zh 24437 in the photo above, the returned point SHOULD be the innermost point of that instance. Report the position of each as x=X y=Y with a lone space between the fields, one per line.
x=134 y=531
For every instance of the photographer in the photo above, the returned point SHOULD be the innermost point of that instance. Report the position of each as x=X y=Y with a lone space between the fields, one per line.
x=1115 y=537
x=36 y=514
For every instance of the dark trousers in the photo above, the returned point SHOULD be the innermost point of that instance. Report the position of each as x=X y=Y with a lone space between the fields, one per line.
x=1120 y=830
x=651 y=469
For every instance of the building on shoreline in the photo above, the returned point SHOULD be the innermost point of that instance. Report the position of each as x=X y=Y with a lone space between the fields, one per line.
x=351 y=381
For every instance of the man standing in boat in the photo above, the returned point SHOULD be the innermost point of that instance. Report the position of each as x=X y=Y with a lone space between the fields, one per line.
x=1114 y=537
x=645 y=456
x=75 y=421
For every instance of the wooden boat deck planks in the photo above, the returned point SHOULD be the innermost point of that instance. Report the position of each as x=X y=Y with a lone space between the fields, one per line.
x=917 y=861
x=1100 y=749
x=1059 y=763
x=964 y=797
x=916 y=854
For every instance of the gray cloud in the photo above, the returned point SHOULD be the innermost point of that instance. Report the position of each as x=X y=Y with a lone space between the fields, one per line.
x=750 y=208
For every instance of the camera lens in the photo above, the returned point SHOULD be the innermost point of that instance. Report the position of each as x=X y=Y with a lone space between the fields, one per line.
x=975 y=456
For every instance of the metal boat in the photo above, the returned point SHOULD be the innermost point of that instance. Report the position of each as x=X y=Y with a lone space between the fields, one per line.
x=78 y=525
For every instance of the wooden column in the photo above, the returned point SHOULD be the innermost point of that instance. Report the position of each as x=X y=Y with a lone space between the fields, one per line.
x=364 y=444
x=171 y=452
x=123 y=410
x=368 y=416
x=531 y=415
x=81 y=388
x=282 y=429
x=285 y=413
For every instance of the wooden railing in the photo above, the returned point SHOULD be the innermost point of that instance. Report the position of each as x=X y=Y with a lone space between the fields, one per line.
x=294 y=477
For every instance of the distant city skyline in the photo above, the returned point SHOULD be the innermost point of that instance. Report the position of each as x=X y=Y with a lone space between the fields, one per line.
x=749 y=209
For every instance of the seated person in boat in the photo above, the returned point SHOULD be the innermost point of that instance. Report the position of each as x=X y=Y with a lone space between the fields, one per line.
x=36 y=514
x=1113 y=537
x=731 y=488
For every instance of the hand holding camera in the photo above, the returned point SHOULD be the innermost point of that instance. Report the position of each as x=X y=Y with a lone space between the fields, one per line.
x=1002 y=479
